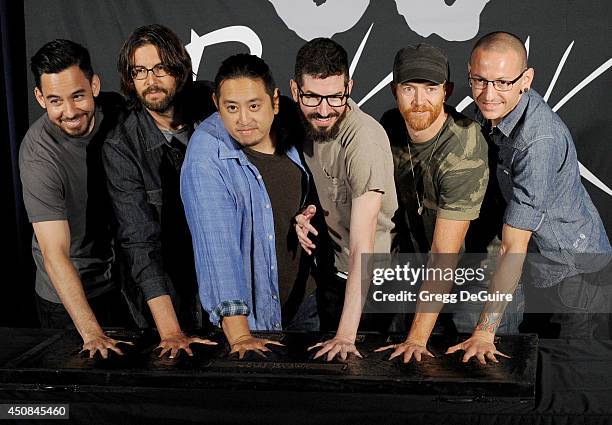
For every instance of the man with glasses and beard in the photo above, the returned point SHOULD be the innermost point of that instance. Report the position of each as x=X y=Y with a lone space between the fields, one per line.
x=349 y=156
x=143 y=161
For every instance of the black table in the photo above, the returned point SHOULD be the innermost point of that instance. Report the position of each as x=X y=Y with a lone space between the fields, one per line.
x=574 y=380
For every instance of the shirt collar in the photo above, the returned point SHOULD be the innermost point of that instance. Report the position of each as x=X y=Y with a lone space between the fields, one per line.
x=231 y=149
x=507 y=124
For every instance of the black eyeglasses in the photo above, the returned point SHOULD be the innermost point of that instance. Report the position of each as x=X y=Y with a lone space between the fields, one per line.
x=314 y=100
x=499 y=85
x=141 y=72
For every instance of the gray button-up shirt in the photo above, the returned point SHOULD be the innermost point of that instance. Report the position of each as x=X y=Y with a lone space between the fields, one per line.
x=539 y=177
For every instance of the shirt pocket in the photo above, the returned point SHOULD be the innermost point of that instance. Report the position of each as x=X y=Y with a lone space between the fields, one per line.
x=336 y=190
x=155 y=197
x=504 y=179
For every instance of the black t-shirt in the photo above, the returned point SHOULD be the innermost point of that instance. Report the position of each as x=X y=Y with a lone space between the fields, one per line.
x=63 y=179
x=283 y=181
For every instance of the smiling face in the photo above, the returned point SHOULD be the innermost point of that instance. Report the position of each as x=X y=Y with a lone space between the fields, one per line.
x=156 y=93
x=421 y=103
x=68 y=96
x=323 y=121
x=247 y=112
x=493 y=65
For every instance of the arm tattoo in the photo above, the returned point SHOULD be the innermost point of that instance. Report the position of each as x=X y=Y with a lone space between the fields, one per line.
x=489 y=322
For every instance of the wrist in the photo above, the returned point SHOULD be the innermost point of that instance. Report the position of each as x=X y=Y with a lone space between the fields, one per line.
x=239 y=339
x=484 y=335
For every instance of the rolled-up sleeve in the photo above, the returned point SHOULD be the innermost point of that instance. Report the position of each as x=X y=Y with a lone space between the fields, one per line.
x=532 y=173
x=214 y=221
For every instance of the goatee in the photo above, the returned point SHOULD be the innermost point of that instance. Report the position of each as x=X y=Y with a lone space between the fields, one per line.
x=421 y=122
x=322 y=134
x=161 y=105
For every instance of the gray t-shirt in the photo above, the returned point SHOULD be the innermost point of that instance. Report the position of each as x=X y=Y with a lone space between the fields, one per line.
x=58 y=173
x=358 y=160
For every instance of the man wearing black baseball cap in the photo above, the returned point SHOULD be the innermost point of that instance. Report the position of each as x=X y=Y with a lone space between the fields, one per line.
x=441 y=174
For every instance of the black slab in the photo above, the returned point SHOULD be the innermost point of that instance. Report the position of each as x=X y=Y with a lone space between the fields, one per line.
x=56 y=362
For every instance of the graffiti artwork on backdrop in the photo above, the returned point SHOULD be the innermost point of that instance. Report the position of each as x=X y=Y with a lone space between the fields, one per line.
x=457 y=22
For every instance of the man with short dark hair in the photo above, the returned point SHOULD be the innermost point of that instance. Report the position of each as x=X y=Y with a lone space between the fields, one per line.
x=65 y=196
x=349 y=156
x=143 y=159
x=548 y=209
x=242 y=183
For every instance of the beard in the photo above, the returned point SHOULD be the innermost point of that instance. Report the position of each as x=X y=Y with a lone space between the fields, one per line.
x=322 y=134
x=161 y=105
x=419 y=123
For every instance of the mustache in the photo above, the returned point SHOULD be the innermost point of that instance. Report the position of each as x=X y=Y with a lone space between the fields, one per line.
x=152 y=89
x=315 y=115
x=420 y=109
x=74 y=117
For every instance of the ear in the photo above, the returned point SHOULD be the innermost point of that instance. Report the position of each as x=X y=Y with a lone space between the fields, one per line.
x=39 y=97
x=527 y=79
x=448 y=90
x=214 y=99
x=350 y=87
x=275 y=100
x=95 y=85
x=294 y=90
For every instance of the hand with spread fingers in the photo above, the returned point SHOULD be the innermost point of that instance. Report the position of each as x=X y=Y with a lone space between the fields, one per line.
x=479 y=345
x=409 y=348
x=174 y=343
x=303 y=227
x=102 y=343
x=251 y=343
x=337 y=345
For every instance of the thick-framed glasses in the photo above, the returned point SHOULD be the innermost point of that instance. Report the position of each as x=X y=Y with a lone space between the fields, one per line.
x=314 y=100
x=499 y=85
x=141 y=72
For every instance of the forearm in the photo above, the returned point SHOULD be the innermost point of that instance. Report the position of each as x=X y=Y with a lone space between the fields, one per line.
x=504 y=281
x=67 y=283
x=164 y=316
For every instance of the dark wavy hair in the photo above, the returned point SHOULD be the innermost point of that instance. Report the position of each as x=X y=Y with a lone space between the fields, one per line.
x=171 y=51
x=247 y=66
x=321 y=58
x=58 y=55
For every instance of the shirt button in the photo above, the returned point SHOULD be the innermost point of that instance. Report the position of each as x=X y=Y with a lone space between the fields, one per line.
x=582 y=236
x=259 y=177
x=270 y=237
x=274 y=297
x=267 y=205
x=277 y=325
x=271 y=267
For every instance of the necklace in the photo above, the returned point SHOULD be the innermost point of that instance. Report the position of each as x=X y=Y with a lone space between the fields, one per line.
x=419 y=203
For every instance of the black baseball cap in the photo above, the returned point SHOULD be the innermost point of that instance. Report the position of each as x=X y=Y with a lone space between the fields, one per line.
x=421 y=62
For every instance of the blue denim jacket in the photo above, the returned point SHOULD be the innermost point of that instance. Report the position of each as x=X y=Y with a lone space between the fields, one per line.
x=232 y=227
x=539 y=177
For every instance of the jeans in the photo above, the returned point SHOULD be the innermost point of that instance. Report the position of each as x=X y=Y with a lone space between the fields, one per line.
x=575 y=308
x=307 y=317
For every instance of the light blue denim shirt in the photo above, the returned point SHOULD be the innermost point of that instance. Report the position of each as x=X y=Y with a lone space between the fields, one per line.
x=539 y=177
x=232 y=227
